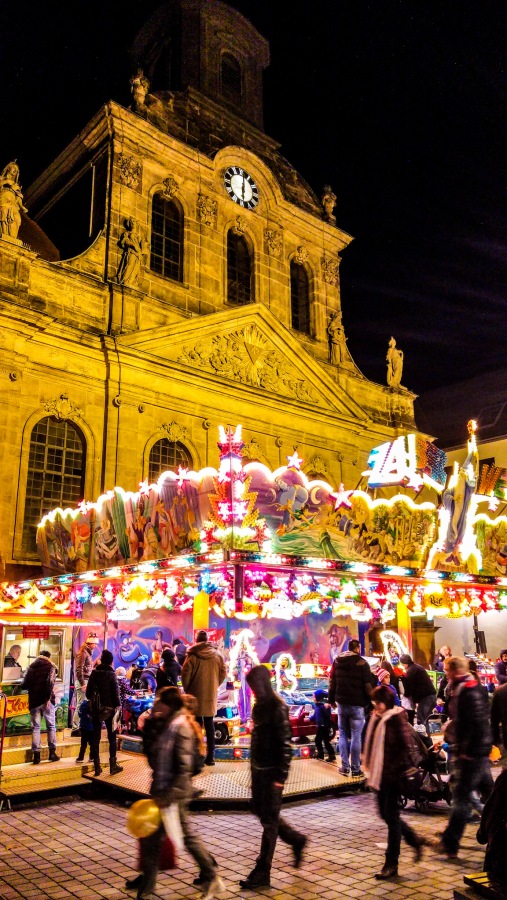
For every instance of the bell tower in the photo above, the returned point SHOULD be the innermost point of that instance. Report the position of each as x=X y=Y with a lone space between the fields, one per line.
x=206 y=46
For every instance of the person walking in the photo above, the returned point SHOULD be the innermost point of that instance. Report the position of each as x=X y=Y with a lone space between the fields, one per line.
x=83 y=664
x=419 y=689
x=270 y=756
x=469 y=736
x=500 y=668
x=388 y=753
x=39 y=682
x=202 y=674
x=350 y=686
x=172 y=751
x=104 y=696
x=169 y=671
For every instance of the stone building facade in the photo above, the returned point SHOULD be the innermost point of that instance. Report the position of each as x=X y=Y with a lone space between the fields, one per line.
x=201 y=288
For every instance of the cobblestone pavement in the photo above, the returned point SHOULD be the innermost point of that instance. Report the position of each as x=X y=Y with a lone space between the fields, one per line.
x=80 y=849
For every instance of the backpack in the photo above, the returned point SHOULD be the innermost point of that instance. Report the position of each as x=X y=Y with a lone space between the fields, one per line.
x=97 y=709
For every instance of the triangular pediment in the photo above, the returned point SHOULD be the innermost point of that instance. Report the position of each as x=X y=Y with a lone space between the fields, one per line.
x=249 y=347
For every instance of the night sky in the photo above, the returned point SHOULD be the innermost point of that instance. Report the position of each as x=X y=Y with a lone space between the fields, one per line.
x=399 y=104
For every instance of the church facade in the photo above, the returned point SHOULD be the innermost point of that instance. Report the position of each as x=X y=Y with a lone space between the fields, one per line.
x=195 y=282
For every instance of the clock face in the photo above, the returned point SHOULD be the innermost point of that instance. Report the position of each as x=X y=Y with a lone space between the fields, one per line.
x=241 y=187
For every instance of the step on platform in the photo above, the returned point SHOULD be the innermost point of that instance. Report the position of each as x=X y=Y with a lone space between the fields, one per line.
x=485 y=886
x=229 y=781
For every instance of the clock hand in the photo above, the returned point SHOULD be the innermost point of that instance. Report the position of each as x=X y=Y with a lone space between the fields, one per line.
x=243 y=189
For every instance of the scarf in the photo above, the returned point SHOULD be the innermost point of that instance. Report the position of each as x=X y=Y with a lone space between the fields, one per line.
x=374 y=746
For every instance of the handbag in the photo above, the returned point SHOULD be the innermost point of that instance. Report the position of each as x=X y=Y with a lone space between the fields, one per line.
x=171 y=820
x=167 y=858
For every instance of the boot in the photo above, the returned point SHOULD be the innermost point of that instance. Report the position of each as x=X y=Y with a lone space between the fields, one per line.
x=97 y=767
x=388 y=871
x=36 y=757
x=132 y=884
x=53 y=756
x=114 y=768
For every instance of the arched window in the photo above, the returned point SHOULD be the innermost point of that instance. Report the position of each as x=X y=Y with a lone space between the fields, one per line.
x=230 y=79
x=166 y=238
x=166 y=454
x=56 y=470
x=299 y=298
x=239 y=269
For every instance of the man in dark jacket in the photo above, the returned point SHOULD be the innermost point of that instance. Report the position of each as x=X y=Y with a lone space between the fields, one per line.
x=169 y=671
x=418 y=688
x=270 y=756
x=501 y=668
x=39 y=681
x=83 y=665
x=350 y=687
x=103 y=694
x=469 y=735
x=202 y=674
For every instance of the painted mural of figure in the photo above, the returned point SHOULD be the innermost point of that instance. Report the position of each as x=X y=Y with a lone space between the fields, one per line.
x=80 y=540
x=242 y=668
x=458 y=497
x=394 y=364
x=167 y=529
x=135 y=534
x=339 y=637
x=11 y=200
x=126 y=649
x=291 y=499
x=106 y=543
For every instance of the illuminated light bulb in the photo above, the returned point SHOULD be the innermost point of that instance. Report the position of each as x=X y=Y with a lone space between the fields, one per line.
x=305 y=752
x=238 y=753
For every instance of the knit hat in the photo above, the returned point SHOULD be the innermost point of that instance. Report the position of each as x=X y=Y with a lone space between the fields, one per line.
x=319 y=695
x=381 y=674
x=92 y=639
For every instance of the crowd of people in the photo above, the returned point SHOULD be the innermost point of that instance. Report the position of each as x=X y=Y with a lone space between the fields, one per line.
x=384 y=735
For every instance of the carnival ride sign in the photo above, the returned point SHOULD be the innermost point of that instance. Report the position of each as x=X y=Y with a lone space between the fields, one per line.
x=410 y=461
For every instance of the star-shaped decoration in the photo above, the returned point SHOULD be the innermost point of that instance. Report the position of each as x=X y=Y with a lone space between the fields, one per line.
x=144 y=487
x=341 y=497
x=294 y=461
x=84 y=507
x=182 y=475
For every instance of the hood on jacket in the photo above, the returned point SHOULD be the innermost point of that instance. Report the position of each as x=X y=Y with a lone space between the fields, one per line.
x=203 y=650
x=41 y=663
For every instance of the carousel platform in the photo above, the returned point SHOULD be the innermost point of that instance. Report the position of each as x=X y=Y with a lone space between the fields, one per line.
x=227 y=783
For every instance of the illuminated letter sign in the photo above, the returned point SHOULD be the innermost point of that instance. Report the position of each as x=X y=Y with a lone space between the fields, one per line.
x=409 y=460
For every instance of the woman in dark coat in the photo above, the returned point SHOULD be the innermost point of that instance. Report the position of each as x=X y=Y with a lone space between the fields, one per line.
x=103 y=694
x=169 y=671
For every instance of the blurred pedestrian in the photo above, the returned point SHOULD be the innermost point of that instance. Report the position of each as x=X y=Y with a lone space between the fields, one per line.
x=387 y=755
x=171 y=755
x=270 y=756
x=501 y=668
x=444 y=653
x=202 y=674
x=104 y=696
x=350 y=686
x=499 y=721
x=469 y=736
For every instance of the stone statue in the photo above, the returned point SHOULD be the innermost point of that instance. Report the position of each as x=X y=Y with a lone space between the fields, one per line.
x=394 y=365
x=139 y=87
x=132 y=246
x=328 y=201
x=336 y=337
x=11 y=200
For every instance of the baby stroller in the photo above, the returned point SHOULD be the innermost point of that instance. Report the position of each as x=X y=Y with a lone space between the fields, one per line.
x=428 y=781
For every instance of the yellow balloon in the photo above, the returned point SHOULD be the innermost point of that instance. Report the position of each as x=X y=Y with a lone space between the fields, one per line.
x=143 y=818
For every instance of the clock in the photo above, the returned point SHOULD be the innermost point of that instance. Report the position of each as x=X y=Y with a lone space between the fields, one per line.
x=241 y=187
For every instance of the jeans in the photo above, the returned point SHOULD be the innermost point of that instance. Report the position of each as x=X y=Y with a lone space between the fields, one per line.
x=95 y=742
x=193 y=845
x=350 y=723
x=47 y=712
x=267 y=803
x=209 y=728
x=471 y=775
x=424 y=709
x=79 y=696
x=387 y=799
x=322 y=740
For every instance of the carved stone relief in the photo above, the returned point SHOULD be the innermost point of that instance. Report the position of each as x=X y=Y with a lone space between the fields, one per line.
x=254 y=451
x=317 y=466
x=273 y=241
x=174 y=431
x=207 y=209
x=247 y=356
x=330 y=270
x=62 y=408
x=301 y=255
x=240 y=225
x=171 y=187
x=131 y=171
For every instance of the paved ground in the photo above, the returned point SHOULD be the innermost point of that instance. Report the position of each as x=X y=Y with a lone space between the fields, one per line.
x=80 y=849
